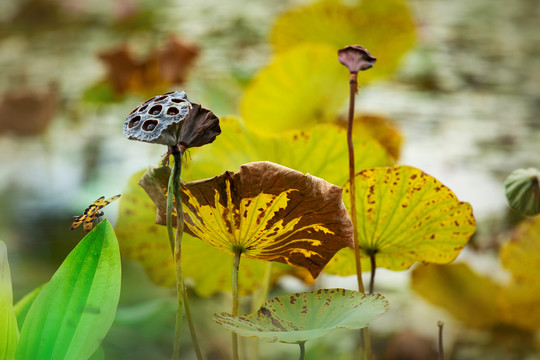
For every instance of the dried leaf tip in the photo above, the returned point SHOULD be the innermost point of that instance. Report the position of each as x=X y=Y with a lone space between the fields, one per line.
x=356 y=58
x=200 y=127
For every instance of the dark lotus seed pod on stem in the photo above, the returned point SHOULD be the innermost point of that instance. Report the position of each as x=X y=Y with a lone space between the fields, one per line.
x=356 y=58
x=159 y=119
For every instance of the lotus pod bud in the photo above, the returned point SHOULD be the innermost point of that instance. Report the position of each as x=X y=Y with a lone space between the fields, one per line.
x=523 y=191
x=159 y=119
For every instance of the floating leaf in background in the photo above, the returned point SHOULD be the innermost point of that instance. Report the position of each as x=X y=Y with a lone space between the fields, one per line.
x=269 y=212
x=143 y=241
x=72 y=314
x=407 y=216
x=300 y=88
x=9 y=332
x=385 y=27
x=320 y=151
x=167 y=65
x=27 y=112
x=465 y=294
x=299 y=317
x=523 y=191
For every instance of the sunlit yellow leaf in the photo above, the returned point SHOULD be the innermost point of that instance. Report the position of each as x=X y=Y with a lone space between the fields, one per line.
x=143 y=241
x=519 y=305
x=269 y=212
x=384 y=27
x=380 y=128
x=321 y=151
x=466 y=295
x=405 y=215
x=303 y=86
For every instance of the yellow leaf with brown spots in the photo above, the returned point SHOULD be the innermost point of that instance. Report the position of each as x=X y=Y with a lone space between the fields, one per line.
x=405 y=215
x=269 y=212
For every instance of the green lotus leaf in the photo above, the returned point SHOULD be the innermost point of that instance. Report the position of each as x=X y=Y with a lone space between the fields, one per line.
x=523 y=191
x=301 y=87
x=384 y=27
x=269 y=212
x=141 y=240
x=296 y=318
x=405 y=215
x=321 y=151
x=72 y=314
x=465 y=294
x=9 y=331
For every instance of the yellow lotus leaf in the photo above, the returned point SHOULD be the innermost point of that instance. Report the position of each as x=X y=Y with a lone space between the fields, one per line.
x=380 y=128
x=384 y=27
x=522 y=254
x=204 y=267
x=269 y=212
x=465 y=294
x=301 y=87
x=321 y=151
x=520 y=300
x=405 y=215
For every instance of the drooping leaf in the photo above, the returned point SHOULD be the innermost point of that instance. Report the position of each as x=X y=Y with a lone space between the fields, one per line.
x=384 y=27
x=74 y=311
x=269 y=212
x=143 y=241
x=321 y=151
x=523 y=191
x=9 y=332
x=22 y=306
x=405 y=215
x=466 y=295
x=299 y=317
x=301 y=87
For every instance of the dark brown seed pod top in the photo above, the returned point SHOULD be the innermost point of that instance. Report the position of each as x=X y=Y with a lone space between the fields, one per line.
x=356 y=58
x=159 y=119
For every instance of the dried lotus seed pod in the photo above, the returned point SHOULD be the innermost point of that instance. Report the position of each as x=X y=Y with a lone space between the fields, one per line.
x=159 y=119
x=523 y=191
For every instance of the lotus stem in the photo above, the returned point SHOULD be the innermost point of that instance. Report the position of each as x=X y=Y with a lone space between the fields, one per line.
x=440 y=324
x=181 y=293
x=373 y=269
x=236 y=266
x=302 y=350
x=353 y=86
x=258 y=300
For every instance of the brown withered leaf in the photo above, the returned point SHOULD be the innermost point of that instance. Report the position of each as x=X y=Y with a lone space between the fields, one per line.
x=271 y=213
x=153 y=74
x=154 y=182
x=26 y=112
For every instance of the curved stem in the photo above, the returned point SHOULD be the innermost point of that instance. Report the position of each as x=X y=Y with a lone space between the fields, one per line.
x=441 y=350
x=302 y=350
x=373 y=269
x=236 y=266
x=181 y=293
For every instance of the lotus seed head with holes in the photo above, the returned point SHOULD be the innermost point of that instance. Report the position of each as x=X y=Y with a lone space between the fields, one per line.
x=159 y=119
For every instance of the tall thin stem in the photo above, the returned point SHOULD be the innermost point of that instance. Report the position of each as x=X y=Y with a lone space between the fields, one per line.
x=353 y=85
x=236 y=266
x=373 y=269
x=181 y=293
x=258 y=299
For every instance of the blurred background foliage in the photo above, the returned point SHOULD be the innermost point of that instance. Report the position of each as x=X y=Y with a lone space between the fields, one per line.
x=455 y=92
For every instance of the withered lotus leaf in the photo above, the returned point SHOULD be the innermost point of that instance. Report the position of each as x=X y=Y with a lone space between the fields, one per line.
x=200 y=127
x=269 y=212
x=154 y=182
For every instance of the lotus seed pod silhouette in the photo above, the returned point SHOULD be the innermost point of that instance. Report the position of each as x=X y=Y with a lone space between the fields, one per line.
x=356 y=58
